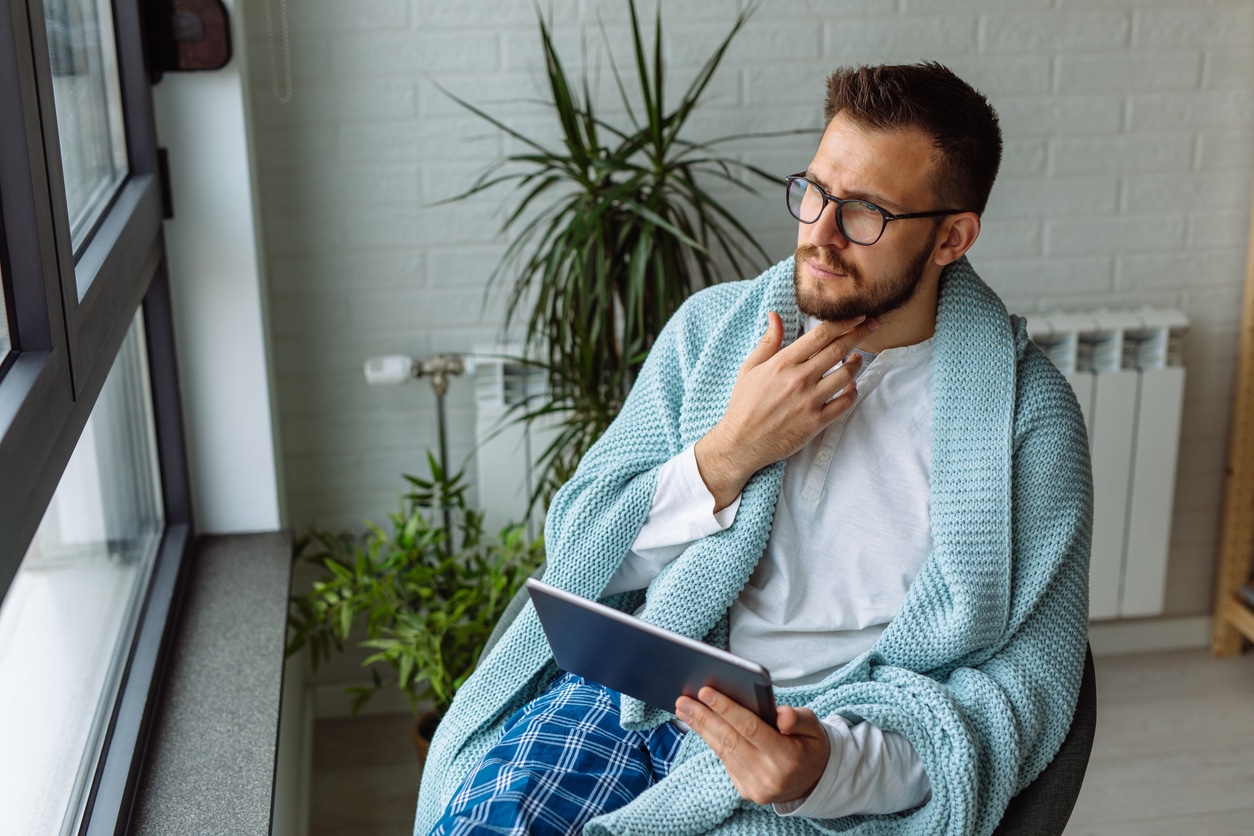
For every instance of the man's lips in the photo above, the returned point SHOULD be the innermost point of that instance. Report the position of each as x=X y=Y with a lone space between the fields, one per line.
x=824 y=271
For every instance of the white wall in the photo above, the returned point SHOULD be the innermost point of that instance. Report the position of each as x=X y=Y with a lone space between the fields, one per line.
x=219 y=298
x=1128 y=174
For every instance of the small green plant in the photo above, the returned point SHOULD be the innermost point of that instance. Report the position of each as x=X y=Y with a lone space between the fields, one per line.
x=427 y=593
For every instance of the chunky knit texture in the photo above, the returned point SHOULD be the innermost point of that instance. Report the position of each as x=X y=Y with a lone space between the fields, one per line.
x=980 y=669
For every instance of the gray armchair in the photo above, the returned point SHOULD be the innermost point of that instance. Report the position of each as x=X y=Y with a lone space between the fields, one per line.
x=1045 y=805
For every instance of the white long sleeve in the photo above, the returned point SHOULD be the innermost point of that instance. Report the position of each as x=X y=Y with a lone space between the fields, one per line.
x=869 y=771
x=682 y=513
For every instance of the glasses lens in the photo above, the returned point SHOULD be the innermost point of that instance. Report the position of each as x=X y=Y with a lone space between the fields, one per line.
x=861 y=222
x=805 y=201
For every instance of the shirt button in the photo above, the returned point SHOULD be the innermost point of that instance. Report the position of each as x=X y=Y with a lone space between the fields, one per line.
x=824 y=456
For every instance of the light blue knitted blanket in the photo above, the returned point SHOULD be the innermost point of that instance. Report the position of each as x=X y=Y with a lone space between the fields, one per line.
x=980 y=669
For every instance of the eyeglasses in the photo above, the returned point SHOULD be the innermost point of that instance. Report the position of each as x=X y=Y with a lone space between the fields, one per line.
x=860 y=221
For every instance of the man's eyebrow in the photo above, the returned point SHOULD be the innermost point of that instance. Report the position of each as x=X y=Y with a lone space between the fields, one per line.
x=878 y=200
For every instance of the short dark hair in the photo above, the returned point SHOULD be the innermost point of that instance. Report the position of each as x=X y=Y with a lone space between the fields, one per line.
x=927 y=97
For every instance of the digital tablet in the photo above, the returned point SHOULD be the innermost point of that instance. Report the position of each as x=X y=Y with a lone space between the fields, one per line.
x=642 y=660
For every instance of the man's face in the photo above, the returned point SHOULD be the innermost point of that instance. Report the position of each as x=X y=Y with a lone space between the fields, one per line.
x=836 y=279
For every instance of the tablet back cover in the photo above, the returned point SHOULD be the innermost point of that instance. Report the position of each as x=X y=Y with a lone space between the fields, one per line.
x=639 y=659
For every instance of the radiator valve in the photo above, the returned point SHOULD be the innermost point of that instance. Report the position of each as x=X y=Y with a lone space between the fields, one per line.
x=393 y=369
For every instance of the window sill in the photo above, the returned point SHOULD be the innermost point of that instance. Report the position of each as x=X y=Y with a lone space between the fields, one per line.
x=210 y=762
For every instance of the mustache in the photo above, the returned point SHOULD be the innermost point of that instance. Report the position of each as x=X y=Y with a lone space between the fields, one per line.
x=828 y=259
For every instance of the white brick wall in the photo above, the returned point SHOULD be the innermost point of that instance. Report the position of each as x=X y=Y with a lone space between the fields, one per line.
x=1127 y=179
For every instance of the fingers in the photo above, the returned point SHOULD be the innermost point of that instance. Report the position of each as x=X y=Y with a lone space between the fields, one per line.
x=840 y=403
x=833 y=380
x=764 y=765
x=745 y=722
x=814 y=340
x=839 y=347
x=724 y=724
x=821 y=347
x=769 y=345
x=727 y=728
x=827 y=329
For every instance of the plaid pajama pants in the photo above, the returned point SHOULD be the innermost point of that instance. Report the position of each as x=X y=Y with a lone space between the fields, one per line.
x=560 y=761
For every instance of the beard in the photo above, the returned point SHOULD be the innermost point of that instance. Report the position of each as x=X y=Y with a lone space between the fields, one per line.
x=887 y=295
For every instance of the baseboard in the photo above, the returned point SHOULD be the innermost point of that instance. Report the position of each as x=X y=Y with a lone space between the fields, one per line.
x=293 y=773
x=1146 y=635
x=307 y=716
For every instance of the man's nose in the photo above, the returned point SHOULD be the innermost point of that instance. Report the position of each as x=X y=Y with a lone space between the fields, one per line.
x=826 y=230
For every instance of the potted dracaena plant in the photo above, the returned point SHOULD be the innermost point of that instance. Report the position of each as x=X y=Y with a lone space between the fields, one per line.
x=611 y=231
x=426 y=594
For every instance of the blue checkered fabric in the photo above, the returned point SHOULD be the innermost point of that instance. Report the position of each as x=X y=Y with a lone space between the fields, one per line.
x=561 y=760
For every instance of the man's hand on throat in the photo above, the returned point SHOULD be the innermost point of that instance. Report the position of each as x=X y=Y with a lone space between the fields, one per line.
x=782 y=398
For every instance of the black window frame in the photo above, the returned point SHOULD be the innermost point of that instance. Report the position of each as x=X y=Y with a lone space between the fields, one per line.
x=63 y=348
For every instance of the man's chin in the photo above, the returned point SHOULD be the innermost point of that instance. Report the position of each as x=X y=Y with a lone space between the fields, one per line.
x=822 y=306
x=830 y=297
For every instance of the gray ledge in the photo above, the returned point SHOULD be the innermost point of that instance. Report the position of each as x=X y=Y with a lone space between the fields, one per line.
x=211 y=758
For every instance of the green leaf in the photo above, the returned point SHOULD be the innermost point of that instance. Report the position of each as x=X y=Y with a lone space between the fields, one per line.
x=346 y=621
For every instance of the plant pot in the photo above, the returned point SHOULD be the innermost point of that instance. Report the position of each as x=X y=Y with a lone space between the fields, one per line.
x=423 y=730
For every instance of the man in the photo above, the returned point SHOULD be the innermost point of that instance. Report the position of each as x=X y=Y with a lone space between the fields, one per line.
x=884 y=498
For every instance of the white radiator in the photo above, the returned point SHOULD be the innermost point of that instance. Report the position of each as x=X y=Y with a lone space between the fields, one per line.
x=506 y=450
x=1126 y=370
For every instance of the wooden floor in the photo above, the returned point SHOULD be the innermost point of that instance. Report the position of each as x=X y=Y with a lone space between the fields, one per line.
x=365 y=777
x=1174 y=751
x=1174 y=755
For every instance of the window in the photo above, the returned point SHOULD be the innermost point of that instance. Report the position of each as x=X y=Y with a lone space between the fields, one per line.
x=88 y=100
x=67 y=618
x=5 y=345
x=4 y=330
x=94 y=510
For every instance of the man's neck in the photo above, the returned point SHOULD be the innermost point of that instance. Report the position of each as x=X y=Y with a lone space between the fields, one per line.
x=910 y=324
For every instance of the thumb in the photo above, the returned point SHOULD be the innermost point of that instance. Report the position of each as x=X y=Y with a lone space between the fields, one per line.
x=798 y=721
x=769 y=345
x=786 y=719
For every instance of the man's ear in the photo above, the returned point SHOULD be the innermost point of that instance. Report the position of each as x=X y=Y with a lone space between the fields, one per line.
x=958 y=233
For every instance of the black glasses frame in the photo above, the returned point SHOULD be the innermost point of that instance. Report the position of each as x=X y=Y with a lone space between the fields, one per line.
x=885 y=215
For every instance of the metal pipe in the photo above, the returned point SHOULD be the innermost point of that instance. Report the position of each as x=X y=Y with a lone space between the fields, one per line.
x=444 y=506
x=438 y=368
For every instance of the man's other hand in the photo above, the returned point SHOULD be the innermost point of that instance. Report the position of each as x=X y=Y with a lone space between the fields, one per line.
x=766 y=766
x=782 y=398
